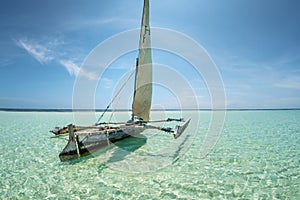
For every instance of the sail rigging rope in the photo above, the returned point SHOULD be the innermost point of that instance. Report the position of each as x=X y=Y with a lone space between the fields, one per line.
x=113 y=99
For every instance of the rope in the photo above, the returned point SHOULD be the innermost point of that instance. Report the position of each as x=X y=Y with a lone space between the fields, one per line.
x=107 y=107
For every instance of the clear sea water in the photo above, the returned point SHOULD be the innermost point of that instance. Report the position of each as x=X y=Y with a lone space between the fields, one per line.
x=257 y=156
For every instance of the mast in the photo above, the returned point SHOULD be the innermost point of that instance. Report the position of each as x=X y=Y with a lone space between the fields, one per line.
x=143 y=75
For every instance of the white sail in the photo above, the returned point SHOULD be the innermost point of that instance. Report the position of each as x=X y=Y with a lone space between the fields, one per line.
x=143 y=78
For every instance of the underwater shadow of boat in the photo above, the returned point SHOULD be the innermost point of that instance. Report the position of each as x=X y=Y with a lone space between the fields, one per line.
x=180 y=148
x=125 y=158
x=126 y=147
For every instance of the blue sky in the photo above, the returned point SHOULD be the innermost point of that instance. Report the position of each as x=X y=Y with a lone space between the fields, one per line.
x=255 y=45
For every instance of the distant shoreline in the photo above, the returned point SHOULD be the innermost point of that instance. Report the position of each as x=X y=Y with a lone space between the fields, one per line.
x=129 y=110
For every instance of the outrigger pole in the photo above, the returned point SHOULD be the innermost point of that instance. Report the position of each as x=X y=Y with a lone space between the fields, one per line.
x=176 y=132
x=141 y=121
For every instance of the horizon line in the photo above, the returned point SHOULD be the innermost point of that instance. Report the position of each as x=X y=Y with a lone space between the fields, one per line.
x=129 y=110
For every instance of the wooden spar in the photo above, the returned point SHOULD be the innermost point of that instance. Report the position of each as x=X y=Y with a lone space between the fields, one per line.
x=168 y=130
x=151 y=121
x=86 y=127
x=107 y=123
x=167 y=120
x=64 y=130
x=110 y=130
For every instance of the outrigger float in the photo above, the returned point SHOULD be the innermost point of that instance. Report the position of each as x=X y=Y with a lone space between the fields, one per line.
x=84 y=140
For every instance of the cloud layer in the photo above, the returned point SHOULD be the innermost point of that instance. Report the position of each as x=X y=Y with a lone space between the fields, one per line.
x=44 y=54
x=39 y=52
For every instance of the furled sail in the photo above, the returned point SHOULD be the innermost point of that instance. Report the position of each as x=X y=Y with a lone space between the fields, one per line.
x=143 y=76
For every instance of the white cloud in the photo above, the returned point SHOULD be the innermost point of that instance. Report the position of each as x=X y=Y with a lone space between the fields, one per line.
x=39 y=52
x=44 y=54
x=75 y=70
x=70 y=66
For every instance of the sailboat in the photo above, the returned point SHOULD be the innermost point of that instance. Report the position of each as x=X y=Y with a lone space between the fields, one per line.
x=84 y=140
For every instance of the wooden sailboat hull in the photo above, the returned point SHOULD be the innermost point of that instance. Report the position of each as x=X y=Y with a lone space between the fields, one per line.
x=86 y=143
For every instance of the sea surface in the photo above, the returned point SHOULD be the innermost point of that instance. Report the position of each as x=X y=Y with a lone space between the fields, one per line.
x=253 y=155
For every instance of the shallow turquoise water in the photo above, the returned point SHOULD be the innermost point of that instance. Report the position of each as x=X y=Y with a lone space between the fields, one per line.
x=257 y=157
